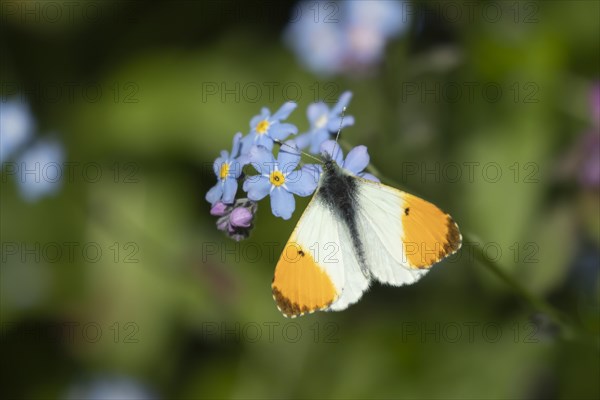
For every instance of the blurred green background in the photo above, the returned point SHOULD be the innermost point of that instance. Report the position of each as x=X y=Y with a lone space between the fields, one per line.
x=116 y=283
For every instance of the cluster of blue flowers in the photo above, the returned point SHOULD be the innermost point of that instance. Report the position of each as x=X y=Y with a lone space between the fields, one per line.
x=345 y=37
x=281 y=176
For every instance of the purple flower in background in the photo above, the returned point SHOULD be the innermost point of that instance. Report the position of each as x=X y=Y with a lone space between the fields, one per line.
x=265 y=128
x=595 y=104
x=341 y=37
x=589 y=170
x=45 y=157
x=323 y=123
x=356 y=160
x=16 y=128
x=279 y=179
x=227 y=169
x=235 y=220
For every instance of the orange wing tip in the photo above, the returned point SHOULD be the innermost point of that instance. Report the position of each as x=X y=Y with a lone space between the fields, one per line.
x=429 y=234
x=293 y=310
x=423 y=259
x=452 y=244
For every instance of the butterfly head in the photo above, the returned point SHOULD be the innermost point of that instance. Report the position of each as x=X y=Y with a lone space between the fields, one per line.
x=329 y=164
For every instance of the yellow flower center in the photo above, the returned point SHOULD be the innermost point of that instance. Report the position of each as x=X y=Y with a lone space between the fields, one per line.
x=277 y=178
x=321 y=121
x=224 y=170
x=262 y=127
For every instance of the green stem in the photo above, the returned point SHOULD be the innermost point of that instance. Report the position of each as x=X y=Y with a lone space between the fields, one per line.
x=536 y=302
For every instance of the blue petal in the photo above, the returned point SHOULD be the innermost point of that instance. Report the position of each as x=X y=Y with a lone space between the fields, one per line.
x=264 y=141
x=315 y=169
x=317 y=140
x=243 y=160
x=303 y=140
x=389 y=18
x=334 y=123
x=236 y=144
x=316 y=111
x=343 y=102
x=367 y=176
x=288 y=158
x=257 y=187
x=282 y=131
x=215 y=193
x=217 y=166
x=229 y=189
x=333 y=149
x=320 y=46
x=284 y=111
x=247 y=142
x=357 y=159
x=45 y=151
x=235 y=169
x=302 y=182
x=282 y=203
x=16 y=127
x=261 y=159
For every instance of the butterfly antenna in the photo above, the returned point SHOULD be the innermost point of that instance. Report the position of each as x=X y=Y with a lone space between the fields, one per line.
x=337 y=147
x=279 y=142
x=341 y=124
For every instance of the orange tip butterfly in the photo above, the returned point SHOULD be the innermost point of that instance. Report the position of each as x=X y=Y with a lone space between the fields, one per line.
x=355 y=231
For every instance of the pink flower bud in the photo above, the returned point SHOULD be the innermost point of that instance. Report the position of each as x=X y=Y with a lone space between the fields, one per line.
x=218 y=209
x=241 y=217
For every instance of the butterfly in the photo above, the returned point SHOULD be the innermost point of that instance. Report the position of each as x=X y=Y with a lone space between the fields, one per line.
x=355 y=231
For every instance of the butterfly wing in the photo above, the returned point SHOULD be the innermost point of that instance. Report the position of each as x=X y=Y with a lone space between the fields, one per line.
x=308 y=276
x=355 y=281
x=406 y=234
x=402 y=236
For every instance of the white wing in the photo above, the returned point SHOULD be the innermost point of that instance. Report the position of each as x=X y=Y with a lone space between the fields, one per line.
x=355 y=282
x=380 y=225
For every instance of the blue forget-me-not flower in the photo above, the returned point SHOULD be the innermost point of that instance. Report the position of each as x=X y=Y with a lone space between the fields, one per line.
x=344 y=36
x=45 y=157
x=324 y=122
x=16 y=128
x=228 y=169
x=279 y=179
x=266 y=128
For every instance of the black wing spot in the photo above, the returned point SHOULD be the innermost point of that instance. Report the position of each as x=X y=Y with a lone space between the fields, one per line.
x=301 y=252
x=406 y=211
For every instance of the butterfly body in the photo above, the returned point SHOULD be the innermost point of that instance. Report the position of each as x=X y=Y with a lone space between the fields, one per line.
x=355 y=231
x=338 y=192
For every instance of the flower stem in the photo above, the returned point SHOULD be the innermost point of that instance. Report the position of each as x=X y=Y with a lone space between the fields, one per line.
x=534 y=301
